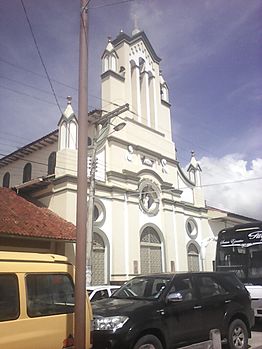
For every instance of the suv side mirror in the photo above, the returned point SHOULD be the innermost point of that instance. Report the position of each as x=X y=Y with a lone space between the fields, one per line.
x=175 y=297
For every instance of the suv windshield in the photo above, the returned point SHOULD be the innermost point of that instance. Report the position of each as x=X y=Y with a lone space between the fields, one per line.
x=144 y=287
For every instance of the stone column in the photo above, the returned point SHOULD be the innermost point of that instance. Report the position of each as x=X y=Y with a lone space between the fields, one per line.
x=153 y=102
x=145 y=101
x=136 y=98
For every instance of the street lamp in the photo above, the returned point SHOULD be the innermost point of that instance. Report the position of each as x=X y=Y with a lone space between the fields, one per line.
x=120 y=126
x=90 y=211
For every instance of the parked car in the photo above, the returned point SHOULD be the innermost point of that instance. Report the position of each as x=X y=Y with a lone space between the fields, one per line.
x=99 y=292
x=37 y=302
x=166 y=311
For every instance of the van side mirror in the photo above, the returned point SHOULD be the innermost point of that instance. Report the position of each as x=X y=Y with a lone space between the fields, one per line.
x=175 y=297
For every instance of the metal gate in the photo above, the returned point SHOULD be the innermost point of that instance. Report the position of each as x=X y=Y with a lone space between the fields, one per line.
x=98 y=257
x=150 y=251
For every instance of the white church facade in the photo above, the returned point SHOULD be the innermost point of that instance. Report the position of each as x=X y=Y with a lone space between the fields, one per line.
x=149 y=216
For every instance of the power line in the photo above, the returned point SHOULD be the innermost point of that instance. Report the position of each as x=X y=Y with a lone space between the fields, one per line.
x=196 y=146
x=170 y=155
x=27 y=95
x=40 y=56
x=111 y=4
x=181 y=188
x=35 y=73
x=26 y=85
x=99 y=98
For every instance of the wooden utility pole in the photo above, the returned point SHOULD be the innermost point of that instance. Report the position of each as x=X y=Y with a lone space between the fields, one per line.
x=89 y=240
x=81 y=215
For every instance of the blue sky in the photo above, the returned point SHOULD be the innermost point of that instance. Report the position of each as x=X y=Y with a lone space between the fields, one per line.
x=211 y=59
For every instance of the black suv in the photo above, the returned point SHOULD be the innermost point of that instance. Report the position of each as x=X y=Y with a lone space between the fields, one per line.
x=162 y=311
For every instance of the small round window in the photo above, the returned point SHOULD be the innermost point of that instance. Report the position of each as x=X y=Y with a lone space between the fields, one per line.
x=96 y=213
x=99 y=213
x=191 y=228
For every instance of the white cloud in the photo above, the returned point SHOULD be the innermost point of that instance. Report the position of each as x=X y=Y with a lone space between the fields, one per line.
x=241 y=189
x=250 y=90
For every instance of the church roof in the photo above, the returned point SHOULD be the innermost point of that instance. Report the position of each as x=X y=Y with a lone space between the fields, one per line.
x=122 y=37
x=20 y=217
x=218 y=214
x=68 y=112
x=46 y=140
x=194 y=164
x=20 y=153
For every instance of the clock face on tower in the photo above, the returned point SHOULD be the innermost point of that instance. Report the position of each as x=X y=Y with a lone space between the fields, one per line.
x=148 y=197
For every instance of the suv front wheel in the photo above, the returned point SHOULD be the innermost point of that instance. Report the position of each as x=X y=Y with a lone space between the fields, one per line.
x=148 y=342
x=237 y=335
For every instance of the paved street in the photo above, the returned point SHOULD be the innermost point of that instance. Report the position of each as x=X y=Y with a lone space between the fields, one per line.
x=256 y=340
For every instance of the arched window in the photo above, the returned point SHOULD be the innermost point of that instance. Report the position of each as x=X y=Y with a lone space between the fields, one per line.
x=193 y=258
x=98 y=260
x=106 y=63
x=164 y=93
x=63 y=139
x=150 y=251
x=192 y=176
x=113 y=58
x=27 y=173
x=6 y=180
x=142 y=65
x=72 y=135
x=51 y=163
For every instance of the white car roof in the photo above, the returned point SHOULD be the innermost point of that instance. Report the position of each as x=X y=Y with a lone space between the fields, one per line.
x=101 y=287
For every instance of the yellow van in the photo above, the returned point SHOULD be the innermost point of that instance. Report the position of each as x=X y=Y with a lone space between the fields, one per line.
x=37 y=302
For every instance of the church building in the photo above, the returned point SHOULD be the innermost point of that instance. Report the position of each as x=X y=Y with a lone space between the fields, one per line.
x=149 y=215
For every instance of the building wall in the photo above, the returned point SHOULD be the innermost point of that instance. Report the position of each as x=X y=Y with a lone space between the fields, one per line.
x=149 y=213
x=38 y=160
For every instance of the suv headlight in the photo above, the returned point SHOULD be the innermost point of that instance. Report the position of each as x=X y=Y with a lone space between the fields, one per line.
x=111 y=323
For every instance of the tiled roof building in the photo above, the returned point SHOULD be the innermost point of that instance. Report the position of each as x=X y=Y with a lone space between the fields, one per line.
x=20 y=218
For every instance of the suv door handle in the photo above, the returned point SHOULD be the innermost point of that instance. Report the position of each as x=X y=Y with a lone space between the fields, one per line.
x=197 y=307
x=228 y=301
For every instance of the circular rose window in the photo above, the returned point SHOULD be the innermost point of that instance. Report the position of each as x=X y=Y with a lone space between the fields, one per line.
x=148 y=197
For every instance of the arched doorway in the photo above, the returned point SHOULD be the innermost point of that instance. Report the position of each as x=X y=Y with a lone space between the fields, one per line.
x=193 y=257
x=150 y=251
x=98 y=260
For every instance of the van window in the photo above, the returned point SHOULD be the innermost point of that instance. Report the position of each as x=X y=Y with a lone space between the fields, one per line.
x=49 y=294
x=9 y=297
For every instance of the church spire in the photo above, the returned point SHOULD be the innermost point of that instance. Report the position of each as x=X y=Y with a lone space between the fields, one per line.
x=68 y=127
x=136 y=30
x=194 y=170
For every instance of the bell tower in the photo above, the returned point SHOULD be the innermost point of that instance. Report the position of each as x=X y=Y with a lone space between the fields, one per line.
x=131 y=74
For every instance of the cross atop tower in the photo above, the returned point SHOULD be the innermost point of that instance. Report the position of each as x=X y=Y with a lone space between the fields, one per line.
x=136 y=29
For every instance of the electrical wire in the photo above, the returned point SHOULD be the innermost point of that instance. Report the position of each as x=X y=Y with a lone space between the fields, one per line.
x=40 y=56
x=112 y=4
x=27 y=85
x=195 y=186
x=27 y=95
x=109 y=103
